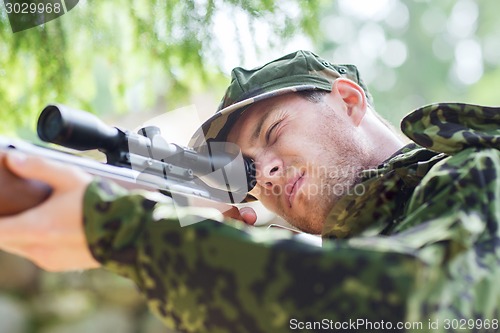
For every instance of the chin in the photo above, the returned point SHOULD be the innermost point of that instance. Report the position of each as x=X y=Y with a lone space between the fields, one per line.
x=311 y=226
x=316 y=229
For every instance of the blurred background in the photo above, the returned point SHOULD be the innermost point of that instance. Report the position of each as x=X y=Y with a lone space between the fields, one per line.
x=133 y=61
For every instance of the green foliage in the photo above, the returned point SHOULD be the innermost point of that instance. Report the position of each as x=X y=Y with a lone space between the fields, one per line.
x=125 y=56
x=120 y=56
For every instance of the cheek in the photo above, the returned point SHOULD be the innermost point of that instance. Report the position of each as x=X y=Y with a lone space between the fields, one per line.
x=264 y=194
x=293 y=143
x=270 y=198
x=304 y=137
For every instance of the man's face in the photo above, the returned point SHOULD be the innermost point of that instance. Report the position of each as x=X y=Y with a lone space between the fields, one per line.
x=307 y=155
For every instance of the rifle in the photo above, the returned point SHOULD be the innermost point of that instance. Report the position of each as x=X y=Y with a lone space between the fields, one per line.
x=216 y=171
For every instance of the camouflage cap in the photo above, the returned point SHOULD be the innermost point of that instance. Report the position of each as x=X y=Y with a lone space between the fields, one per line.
x=298 y=71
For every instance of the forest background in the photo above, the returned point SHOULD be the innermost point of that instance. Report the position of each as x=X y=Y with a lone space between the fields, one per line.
x=130 y=61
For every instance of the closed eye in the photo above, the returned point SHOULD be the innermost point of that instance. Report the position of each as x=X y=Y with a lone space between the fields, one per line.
x=270 y=130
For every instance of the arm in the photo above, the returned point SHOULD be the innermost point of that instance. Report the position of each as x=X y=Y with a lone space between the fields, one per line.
x=211 y=276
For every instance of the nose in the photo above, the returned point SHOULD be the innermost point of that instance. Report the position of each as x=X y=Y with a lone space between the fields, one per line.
x=269 y=171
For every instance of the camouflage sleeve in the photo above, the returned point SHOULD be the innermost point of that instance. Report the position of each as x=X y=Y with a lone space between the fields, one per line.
x=214 y=277
x=453 y=219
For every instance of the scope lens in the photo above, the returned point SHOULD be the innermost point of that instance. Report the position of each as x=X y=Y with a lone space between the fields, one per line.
x=50 y=124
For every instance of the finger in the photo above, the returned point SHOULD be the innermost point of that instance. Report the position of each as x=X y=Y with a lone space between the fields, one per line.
x=232 y=212
x=50 y=172
x=249 y=215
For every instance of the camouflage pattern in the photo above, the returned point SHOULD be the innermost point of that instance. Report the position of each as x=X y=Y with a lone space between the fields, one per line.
x=422 y=245
x=301 y=70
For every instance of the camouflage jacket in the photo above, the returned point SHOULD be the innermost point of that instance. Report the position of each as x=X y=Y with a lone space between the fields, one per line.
x=420 y=247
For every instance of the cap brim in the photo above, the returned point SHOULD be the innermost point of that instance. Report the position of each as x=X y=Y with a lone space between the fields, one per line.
x=217 y=127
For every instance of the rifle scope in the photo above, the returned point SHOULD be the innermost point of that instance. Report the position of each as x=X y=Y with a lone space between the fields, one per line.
x=77 y=129
x=83 y=131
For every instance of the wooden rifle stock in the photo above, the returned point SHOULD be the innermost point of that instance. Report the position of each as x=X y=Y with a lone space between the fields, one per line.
x=18 y=194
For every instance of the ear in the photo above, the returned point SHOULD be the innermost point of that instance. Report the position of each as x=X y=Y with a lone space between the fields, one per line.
x=353 y=97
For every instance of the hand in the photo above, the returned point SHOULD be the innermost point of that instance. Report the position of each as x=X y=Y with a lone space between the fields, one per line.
x=50 y=234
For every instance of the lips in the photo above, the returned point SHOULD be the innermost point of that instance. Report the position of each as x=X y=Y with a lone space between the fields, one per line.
x=294 y=184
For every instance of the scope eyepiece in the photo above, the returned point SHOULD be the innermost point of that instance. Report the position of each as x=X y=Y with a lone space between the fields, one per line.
x=250 y=172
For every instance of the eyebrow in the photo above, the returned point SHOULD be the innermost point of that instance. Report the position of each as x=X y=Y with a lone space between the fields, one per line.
x=258 y=128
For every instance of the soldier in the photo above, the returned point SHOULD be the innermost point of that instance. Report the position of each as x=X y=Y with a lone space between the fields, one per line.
x=411 y=237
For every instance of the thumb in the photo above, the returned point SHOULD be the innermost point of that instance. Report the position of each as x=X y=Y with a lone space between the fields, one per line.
x=55 y=174
x=249 y=215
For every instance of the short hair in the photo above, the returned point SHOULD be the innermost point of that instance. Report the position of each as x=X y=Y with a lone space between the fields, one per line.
x=317 y=96
x=313 y=96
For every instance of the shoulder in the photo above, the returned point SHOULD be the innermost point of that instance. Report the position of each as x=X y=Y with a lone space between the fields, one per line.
x=452 y=127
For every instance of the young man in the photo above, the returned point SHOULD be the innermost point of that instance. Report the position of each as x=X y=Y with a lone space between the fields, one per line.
x=411 y=237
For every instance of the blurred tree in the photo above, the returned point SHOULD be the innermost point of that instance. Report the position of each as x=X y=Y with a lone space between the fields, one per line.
x=417 y=52
x=117 y=55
